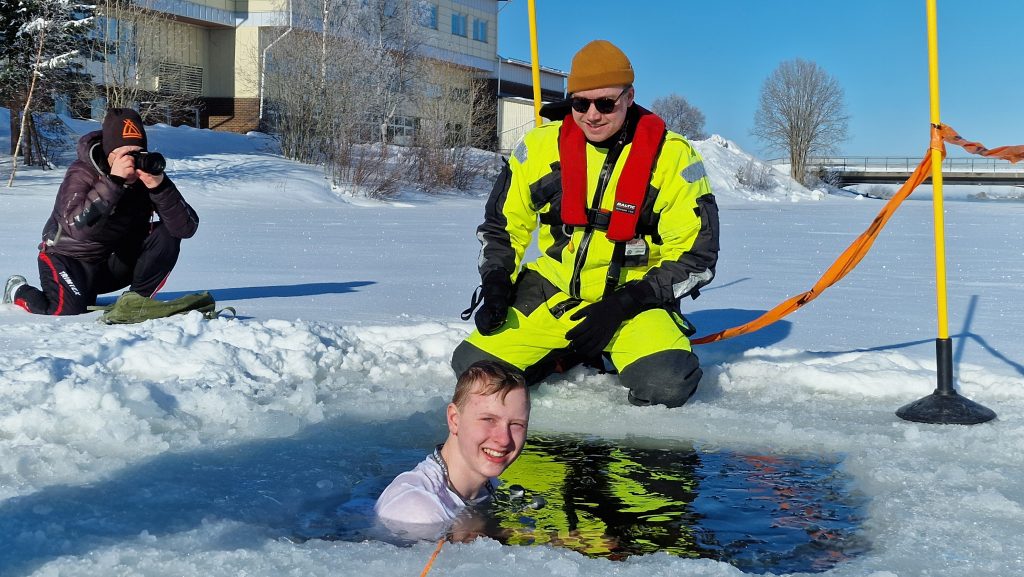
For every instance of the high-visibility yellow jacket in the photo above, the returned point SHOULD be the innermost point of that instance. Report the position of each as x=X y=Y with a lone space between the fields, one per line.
x=676 y=246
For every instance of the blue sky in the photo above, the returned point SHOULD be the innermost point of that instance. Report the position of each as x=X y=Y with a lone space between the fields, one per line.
x=717 y=54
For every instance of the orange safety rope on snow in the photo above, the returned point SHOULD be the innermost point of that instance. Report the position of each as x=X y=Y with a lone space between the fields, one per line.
x=842 y=265
x=860 y=247
x=430 y=562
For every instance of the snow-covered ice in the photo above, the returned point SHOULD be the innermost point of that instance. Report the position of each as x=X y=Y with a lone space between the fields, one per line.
x=189 y=447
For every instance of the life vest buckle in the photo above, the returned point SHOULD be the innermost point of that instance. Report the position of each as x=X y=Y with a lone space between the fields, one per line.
x=599 y=218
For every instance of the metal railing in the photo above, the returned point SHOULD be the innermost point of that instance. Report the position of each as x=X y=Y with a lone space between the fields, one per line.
x=976 y=164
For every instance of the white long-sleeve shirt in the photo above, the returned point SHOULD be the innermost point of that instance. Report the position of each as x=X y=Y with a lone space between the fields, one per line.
x=419 y=504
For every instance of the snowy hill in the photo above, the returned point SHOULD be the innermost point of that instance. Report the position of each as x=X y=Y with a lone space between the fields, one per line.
x=725 y=160
x=191 y=447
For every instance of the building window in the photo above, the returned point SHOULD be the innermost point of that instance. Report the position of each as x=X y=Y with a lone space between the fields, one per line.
x=180 y=79
x=459 y=24
x=428 y=15
x=479 y=30
x=402 y=130
x=432 y=90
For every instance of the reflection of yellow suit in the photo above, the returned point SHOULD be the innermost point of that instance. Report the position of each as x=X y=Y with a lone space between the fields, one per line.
x=628 y=507
x=542 y=474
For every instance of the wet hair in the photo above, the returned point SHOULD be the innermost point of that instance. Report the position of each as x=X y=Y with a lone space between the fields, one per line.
x=493 y=378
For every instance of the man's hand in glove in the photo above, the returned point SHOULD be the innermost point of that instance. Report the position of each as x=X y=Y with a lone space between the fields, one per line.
x=603 y=318
x=496 y=292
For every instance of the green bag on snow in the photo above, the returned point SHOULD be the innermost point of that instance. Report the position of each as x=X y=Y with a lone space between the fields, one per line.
x=131 y=307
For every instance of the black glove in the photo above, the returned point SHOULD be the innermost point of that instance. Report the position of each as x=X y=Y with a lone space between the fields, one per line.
x=603 y=318
x=495 y=292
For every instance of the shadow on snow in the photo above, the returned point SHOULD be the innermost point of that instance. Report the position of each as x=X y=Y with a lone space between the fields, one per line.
x=260 y=292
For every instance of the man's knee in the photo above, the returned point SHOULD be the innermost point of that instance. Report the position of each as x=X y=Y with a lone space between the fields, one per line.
x=466 y=354
x=667 y=378
x=160 y=240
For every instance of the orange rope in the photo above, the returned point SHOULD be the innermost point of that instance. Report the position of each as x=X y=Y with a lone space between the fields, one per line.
x=430 y=562
x=860 y=247
x=1011 y=153
x=842 y=265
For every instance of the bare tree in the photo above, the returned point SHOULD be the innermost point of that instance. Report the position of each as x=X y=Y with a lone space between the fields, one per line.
x=389 y=28
x=801 y=112
x=680 y=116
x=323 y=79
x=140 y=63
x=338 y=87
x=26 y=114
x=456 y=114
x=348 y=81
x=756 y=176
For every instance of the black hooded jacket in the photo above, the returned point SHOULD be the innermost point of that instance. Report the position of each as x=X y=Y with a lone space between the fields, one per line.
x=95 y=213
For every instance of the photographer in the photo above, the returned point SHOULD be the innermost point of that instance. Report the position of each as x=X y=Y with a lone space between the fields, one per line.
x=117 y=222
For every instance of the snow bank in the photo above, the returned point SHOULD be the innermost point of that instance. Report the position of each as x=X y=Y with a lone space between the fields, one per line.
x=185 y=446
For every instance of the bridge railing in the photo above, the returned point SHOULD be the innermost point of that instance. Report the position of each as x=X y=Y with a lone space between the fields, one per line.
x=976 y=164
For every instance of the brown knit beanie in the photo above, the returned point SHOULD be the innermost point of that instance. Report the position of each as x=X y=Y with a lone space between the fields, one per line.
x=599 y=64
x=122 y=127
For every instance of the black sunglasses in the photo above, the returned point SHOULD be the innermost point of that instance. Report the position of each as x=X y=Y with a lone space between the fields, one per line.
x=603 y=105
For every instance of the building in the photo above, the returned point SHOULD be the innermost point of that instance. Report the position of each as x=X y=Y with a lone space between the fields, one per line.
x=214 y=51
x=513 y=87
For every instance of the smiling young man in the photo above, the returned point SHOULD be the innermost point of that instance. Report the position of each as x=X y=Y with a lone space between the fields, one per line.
x=487 y=422
x=626 y=226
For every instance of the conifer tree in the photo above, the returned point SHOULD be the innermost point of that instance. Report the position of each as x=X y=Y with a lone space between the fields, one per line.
x=63 y=27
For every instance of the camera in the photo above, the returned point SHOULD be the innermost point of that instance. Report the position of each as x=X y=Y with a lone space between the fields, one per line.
x=149 y=162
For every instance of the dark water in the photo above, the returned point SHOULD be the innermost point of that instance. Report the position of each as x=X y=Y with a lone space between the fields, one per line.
x=758 y=512
x=616 y=499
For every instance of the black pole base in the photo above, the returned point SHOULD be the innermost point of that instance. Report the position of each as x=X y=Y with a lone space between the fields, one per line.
x=941 y=408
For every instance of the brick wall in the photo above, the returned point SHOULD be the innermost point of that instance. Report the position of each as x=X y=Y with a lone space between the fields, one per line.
x=230 y=114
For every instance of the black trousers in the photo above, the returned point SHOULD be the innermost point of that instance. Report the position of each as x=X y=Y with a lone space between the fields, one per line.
x=69 y=286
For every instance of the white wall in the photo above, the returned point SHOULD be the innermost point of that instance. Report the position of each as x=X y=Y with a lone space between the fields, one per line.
x=515 y=118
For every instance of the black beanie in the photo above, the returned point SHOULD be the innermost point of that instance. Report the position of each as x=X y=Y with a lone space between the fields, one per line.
x=122 y=127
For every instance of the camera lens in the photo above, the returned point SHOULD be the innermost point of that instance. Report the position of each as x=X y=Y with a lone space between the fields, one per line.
x=149 y=162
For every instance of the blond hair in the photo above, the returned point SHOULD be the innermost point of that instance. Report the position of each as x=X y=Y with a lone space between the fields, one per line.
x=493 y=378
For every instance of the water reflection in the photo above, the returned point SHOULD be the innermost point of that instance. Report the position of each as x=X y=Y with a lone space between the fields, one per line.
x=614 y=499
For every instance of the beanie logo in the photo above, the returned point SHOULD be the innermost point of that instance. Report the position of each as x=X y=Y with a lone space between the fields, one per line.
x=130 y=130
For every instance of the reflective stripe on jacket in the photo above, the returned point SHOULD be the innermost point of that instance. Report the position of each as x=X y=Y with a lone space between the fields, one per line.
x=677 y=242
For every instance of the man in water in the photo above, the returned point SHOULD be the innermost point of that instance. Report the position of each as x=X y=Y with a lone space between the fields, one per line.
x=487 y=422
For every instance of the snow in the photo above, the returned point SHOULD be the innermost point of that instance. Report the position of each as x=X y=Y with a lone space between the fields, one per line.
x=724 y=159
x=191 y=447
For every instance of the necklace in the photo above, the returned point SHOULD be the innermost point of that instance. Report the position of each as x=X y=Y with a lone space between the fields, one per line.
x=439 y=459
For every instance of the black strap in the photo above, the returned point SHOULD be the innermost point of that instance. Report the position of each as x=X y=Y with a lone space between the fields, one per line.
x=599 y=219
x=618 y=259
x=474 y=302
x=596 y=219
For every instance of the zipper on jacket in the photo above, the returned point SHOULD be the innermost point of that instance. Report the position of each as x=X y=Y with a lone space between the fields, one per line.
x=602 y=183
